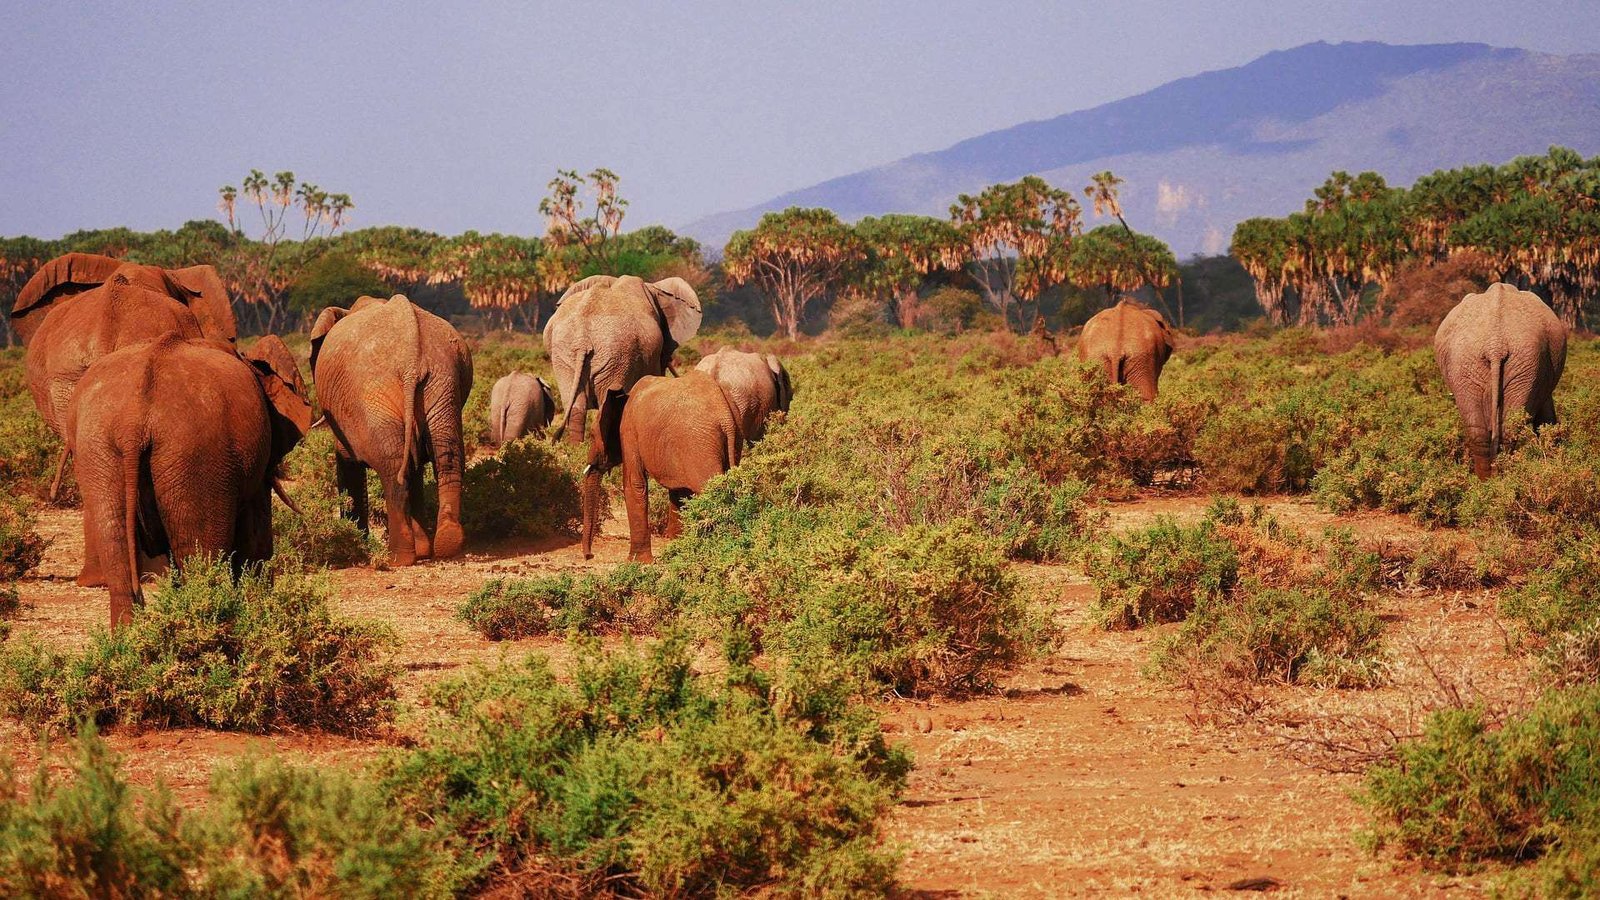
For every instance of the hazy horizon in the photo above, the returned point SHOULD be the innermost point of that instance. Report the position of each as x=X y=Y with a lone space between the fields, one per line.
x=450 y=120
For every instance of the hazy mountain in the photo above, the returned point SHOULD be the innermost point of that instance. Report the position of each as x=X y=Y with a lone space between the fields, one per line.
x=1200 y=154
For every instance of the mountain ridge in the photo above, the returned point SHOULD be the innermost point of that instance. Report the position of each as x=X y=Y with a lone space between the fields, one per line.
x=1200 y=153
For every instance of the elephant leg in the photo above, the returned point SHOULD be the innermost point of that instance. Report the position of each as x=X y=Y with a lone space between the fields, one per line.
x=352 y=476
x=396 y=501
x=421 y=540
x=252 y=531
x=577 y=419
x=1546 y=414
x=677 y=496
x=202 y=526
x=105 y=530
x=449 y=466
x=93 y=573
x=636 y=494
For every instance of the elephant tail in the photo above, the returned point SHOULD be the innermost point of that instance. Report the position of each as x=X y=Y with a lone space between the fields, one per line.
x=129 y=518
x=1497 y=367
x=580 y=386
x=410 y=388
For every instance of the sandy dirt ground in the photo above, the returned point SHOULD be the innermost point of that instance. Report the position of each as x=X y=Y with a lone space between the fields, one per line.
x=1083 y=776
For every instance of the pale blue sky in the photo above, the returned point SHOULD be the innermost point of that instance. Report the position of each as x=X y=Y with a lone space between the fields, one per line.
x=451 y=116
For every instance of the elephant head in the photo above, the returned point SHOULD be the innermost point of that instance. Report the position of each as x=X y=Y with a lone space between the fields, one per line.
x=679 y=307
x=199 y=288
x=287 y=402
x=330 y=317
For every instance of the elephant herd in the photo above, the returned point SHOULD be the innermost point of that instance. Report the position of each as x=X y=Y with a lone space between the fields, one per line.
x=176 y=437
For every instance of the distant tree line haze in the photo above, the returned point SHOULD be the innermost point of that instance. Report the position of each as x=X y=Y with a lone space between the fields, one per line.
x=1533 y=222
x=1014 y=255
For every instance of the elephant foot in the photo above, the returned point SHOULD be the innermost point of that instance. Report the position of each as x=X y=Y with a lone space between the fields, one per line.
x=447 y=540
x=423 y=546
x=642 y=556
x=402 y=558
x=90 y=576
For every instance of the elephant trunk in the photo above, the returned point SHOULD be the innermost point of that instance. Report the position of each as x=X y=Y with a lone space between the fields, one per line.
x=591 y=507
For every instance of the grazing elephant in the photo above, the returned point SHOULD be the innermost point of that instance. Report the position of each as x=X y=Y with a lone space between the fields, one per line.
x=607 y=333
x=80 y=307
x=1499 y=349
x=519 y=404
x=1132 y=342
x=756 y=385
x=392 y=379
x=177 y=444
x=680 y=431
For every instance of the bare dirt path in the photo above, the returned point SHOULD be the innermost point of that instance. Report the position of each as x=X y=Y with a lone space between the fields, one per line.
x=1084 y=776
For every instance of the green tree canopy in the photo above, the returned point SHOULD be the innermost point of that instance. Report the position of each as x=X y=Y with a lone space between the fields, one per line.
x=794 y=257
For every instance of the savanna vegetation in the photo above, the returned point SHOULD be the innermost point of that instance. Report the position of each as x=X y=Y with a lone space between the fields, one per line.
x=717 y=730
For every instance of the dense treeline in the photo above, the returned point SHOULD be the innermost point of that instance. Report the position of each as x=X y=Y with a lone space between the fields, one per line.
x=1533 y=222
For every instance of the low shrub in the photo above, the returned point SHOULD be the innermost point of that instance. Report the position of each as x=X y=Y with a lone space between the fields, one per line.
x=1160 y=573
x=21 y=547
x=928 y=609
x=254 y=654
x=527 y=489
x=29 y=450
x=1466 y=791
x=271 y=830
x=644 y=778
x=319 y=535
x=630 y=594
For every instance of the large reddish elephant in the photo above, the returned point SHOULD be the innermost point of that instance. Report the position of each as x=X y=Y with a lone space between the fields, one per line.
x=393 y=379
x=1131 y=342
x=680 y=431
x=176 y=445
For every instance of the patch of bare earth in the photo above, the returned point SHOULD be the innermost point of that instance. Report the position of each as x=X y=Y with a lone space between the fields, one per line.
x=1084 y=776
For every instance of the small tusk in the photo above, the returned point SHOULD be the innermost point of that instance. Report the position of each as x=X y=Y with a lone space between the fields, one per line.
x=321 y=420
x=586 y=469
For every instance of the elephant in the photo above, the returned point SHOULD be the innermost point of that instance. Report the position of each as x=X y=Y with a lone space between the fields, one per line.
x=392 y=379
x=680 y=431
x=1132 y=342
x=606 y=333
x=519 y=404
x=1500 y=349
x=80 y=307
x=756 y=385
x=176 y=446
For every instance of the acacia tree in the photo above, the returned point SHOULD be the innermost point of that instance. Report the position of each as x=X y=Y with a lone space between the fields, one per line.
x=1017 y=237
x=498 y=273
x=902 y=251
x=1120 y=260
x=257 y=271
x=573 y=240
x=795 y=257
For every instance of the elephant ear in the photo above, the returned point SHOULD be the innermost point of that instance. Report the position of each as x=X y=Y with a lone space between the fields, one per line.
x=326 y=319
x=679 y=306
x=549 y=413
x=780 y=376
x=56 y=280
x=366 y=300
x=287 y=405
x=578 y=287
x=207 y=298
x=609 y=428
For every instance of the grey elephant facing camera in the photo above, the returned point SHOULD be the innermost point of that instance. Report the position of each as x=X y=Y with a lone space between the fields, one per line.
x=1498 y=350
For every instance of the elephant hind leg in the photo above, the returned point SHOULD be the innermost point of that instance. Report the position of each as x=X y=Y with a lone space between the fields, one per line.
x=677 y=497
x=352 y=477
x=421 y=537
x=397 y=502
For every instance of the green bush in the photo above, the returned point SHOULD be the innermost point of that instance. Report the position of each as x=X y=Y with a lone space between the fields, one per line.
x=254 y=654
x=29 y=450
x=646 y=778
x=508 y=609
x=1159 y=574
x=271 y=830
x=525 y=490
x=319 y=535
x=930 y=609
x=1466 y=791
x=21 y=547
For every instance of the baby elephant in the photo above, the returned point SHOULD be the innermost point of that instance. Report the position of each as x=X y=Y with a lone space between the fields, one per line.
x=1500 y=349
x=757 y=386
x=1132 y=342
x=680 y=431
x=177 y=446
x=519 y=404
